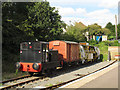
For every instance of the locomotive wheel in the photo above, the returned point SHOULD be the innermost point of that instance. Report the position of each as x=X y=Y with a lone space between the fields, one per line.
x=31 y=73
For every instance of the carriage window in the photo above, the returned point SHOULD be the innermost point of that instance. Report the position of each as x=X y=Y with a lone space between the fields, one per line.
x=37 y=46
x=24 y=46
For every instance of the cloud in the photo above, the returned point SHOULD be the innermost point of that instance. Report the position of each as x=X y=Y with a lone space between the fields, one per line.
x=73 y=2
x=99 y=3
x=102 y=17
x=68 y=11
x=87 y=11
x=109 y=3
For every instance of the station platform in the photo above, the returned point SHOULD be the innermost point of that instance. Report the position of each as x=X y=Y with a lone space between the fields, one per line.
x=105 y=78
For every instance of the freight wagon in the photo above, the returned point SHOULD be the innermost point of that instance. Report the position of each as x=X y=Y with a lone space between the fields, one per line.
x=68 y=52
x=89 y=53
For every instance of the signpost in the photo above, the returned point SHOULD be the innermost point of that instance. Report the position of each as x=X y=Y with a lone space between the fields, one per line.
x=116 y=25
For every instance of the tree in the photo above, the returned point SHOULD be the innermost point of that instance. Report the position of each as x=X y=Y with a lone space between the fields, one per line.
x=13 y=14
x=44 y=22
x=96 y=29
x=118 y=28
x=111 y=28
x=75 y=32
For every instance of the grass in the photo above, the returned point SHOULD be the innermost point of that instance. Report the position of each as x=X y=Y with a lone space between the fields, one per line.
x=59 y=82
x=48 y=85
x=103 y=46
x=9 y=75
x=0 y=84
x=103 y=50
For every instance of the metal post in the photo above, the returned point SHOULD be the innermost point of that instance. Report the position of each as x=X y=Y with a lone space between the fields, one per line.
x=116 y=25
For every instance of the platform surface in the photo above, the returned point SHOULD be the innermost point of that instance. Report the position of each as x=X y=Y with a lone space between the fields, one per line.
x=107 y=78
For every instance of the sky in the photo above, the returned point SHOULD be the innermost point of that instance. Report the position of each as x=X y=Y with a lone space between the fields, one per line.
x=87 y=11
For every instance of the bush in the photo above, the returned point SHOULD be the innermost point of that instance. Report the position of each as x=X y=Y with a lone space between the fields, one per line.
x=111 y=37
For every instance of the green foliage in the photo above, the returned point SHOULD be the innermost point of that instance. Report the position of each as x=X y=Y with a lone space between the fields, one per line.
x=48 y=85
x=96 y=29
x=118 y=30
x=1 y=84
x=93 y=42
x=111 y=37
x=75 y=33
x=12 y=15
x=16 y=71
x=112 y=43
x=44 y=22
x=111 y=27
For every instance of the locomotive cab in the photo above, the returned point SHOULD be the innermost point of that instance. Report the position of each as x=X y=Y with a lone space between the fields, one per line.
x=34 y=52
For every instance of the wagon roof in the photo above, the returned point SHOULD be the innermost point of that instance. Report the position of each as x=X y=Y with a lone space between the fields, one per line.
x=71 y=42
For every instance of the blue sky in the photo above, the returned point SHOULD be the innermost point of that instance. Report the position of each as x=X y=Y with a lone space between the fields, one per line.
x=87 y=11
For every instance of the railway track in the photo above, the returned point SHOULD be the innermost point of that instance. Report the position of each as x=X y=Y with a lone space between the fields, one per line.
x=19 y=81
x=10 y=80
x=27 y=79
x=80 y=76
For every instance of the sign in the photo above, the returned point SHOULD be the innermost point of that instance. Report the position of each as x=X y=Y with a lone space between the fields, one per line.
x=56 y=43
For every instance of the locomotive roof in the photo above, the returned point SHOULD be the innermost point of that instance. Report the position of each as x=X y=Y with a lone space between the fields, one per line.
x=39 y=42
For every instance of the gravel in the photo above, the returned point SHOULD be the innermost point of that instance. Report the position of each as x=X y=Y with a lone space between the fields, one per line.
x=67 y=74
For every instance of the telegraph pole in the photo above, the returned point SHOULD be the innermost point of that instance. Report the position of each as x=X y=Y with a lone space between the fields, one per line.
x=116 y=25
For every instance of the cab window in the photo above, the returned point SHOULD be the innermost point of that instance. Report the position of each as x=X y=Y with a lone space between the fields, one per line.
x=24 y=46
x=37 y=46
